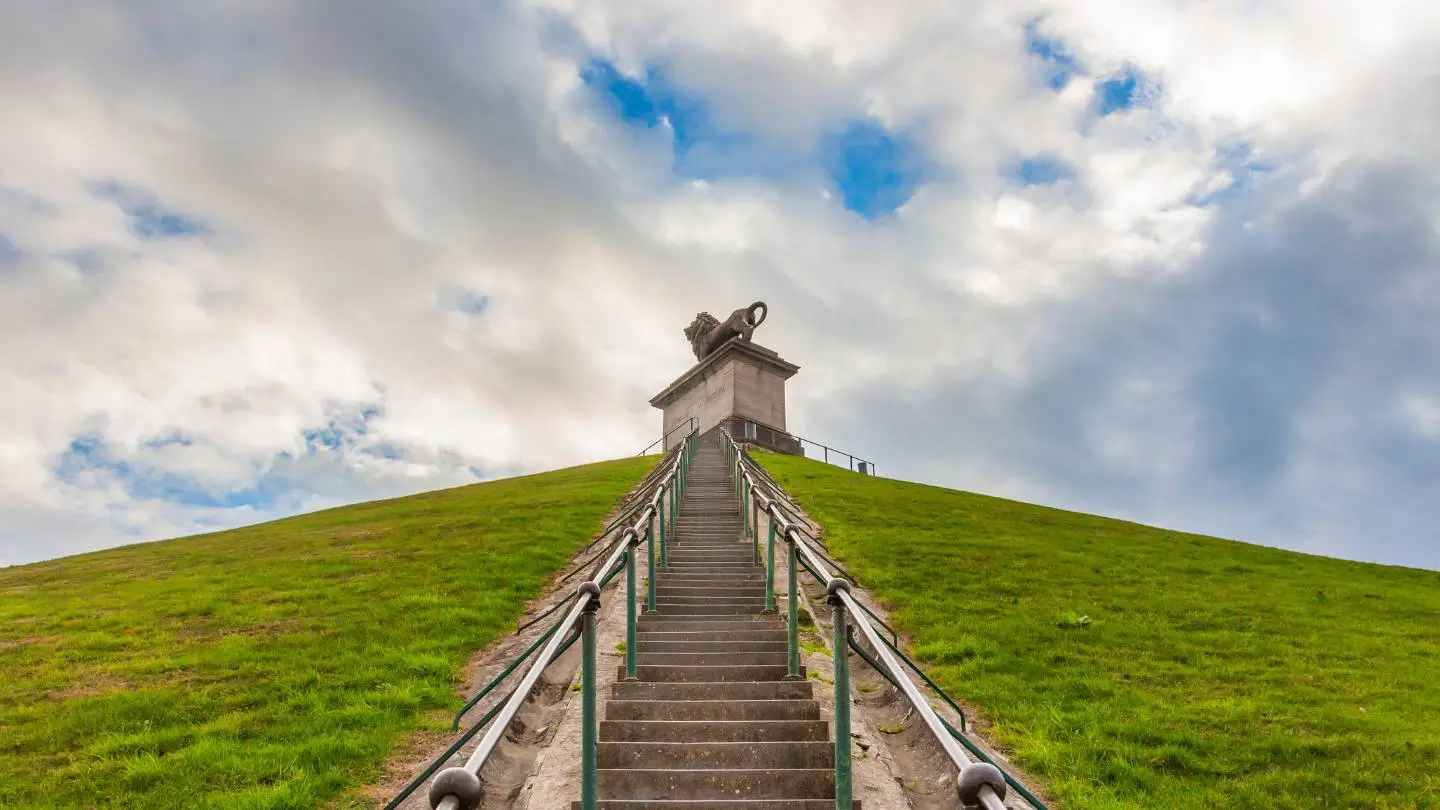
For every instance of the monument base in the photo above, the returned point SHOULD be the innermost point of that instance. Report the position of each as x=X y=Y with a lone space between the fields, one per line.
x=740 y=385
x=745 y=431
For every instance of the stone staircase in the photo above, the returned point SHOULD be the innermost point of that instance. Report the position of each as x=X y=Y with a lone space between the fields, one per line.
x=712 y=723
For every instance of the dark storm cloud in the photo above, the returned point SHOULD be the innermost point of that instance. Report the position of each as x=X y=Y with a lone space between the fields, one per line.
x=1273 y=370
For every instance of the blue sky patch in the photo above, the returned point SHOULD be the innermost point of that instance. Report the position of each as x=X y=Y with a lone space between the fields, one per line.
x=340 y=432
x=875 y=170
x=1038 y=171
x=1060 y=65
x=385 y=451
x=88 y=454
x=1245 y=171
x=628 y=98
x=464 y=300
x=89 y=462
x=148 y=218
x=9 y=254
x=469 y=302
x=473 y=303
x=1119 y=92
x=702 y=149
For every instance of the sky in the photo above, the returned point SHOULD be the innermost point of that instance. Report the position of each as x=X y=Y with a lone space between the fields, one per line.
x=1175 y=262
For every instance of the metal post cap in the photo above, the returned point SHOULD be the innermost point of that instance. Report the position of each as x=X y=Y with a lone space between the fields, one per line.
x=790 y=530
x=457 y=782
x=632 y=537
x=593 y=589
x=835 y=586
x=975 y=776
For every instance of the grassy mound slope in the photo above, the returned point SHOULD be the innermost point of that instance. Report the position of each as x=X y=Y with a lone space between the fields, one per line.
x=274 y=666
x=1128 y=666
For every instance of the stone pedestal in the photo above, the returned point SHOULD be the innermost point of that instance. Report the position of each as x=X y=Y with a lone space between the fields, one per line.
x=740 y=385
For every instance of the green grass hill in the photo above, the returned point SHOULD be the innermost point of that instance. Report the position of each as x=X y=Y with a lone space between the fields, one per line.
x=275 y=666
x=1127 y=666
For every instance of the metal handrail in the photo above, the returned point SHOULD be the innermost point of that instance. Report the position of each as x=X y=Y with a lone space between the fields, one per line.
x=688 y=423
x=459 y=788
x=638 y=503
x=978 y=783
x=866 y=466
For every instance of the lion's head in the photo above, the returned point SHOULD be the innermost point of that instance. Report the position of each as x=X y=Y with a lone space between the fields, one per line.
x=702 y=325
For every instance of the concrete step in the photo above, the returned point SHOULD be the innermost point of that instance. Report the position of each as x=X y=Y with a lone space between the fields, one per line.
x=713 y=636
x=708 y=601
x=751 y=572
x=706 y=659
x=702 y=645
x=680 y=623
x=715 y=571
x=701 y=592
x=648 y=784
x=738 y=690
x=740 y=567
x=717 y=804
x=712 y=722
x=712 y=710
x=717 y=755
x=672 y=580
x=738 y=551
x=704 y=584
x=705 y=610
x=710 y=572
x=707 y=517
x=657 y=673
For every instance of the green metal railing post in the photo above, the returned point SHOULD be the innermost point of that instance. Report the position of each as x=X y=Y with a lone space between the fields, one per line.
x=792 y=600
x=630 y=596
x=841 y=650
x=770 y=567
x=747 y=504
x=660 y=505
x=650 y=578
x=589 y=749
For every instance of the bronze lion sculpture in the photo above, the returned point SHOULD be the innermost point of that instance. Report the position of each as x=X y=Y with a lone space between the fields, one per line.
x=706 y=334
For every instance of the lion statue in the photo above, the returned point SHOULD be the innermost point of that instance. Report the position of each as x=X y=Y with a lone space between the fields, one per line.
x=706 y=334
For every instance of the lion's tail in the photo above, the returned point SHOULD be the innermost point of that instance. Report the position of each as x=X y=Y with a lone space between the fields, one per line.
x=750 y=313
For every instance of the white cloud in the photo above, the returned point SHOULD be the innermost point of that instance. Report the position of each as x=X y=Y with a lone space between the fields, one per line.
x=360 y=167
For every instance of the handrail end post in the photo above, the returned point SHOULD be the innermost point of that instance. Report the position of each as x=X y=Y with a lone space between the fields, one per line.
x=589 y=729
x=792 y=623
x=630 y=596
x=844 y=788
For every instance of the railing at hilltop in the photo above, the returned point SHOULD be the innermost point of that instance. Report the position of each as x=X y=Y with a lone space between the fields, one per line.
x=853 y=462
x=978 y=783
x=747 y=431
x=688 y=426
x=658 y=498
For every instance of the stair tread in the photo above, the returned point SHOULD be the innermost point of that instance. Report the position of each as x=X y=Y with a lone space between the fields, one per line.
x=713 y=721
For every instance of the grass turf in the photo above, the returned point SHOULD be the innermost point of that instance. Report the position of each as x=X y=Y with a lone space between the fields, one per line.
x=274 y=666
x=1128 y=666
